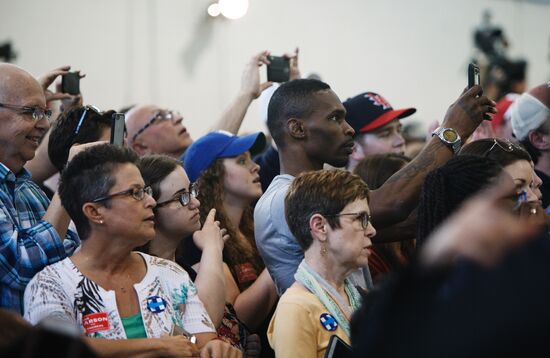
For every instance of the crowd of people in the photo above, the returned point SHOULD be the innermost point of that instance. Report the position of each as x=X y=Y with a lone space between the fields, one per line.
x=320 y=235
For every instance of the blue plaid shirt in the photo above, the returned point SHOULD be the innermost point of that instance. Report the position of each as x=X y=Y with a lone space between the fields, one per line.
x=27 y=243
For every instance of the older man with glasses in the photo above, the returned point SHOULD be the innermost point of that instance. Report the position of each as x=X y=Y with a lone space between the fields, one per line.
x=33 y=231
x=153 y=130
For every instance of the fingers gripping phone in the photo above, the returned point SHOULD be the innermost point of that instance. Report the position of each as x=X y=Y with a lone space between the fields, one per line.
x=279 y=69
x=70 y=83
x=473 y=75
x=117 y=129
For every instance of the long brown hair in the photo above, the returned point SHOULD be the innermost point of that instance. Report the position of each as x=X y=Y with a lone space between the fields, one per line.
x=211 y=195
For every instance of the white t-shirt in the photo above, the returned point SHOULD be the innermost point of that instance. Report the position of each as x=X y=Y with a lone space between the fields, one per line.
x=167 y=297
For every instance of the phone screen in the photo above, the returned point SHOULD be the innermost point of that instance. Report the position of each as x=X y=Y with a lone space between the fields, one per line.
x=117 y=129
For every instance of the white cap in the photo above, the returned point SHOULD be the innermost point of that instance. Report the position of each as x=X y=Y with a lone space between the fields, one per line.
x=528 y=114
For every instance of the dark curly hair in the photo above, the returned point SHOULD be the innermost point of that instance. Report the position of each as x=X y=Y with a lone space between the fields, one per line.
x=211 y=195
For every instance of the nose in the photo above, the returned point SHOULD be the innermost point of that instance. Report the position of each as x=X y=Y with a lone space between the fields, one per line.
x=370 y=232
x=399 y=141
x=255 y=167
x=150 y=202
x=532 y=196
x=194 y=203
x=43 y=124
x=348 y=130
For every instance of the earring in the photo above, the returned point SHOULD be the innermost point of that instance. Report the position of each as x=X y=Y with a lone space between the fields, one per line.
x=101 y=221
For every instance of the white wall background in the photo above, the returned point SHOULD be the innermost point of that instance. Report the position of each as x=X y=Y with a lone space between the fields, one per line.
x=169 y=52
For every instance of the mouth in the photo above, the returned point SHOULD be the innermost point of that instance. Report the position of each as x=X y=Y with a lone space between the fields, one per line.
x=256 y=180
x=195 y=216
x=150 y=218
x=183 y=131
x=34 y=139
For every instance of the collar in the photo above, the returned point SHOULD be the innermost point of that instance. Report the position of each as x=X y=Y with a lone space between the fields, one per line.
x=6 y=175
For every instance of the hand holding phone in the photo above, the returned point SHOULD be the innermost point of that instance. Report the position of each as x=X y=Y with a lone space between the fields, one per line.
x=70 y=83
x=279 y=69
x=117 y=129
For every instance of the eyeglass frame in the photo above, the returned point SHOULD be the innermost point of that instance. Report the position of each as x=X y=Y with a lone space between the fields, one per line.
x=83 y=117
x=152 y=120
x=192 y=192
x=128 y=192
x=510 y=147
x=45 y=113
x=365 y=217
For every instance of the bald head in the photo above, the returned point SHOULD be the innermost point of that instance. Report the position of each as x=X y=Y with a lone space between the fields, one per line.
x=17 y=86
x=20 y=132
x=542 y=93
x=137 y=117
x=154 y=130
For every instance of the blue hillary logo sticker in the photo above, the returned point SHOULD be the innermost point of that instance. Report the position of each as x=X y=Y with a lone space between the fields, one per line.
x=328 y=322
x=156 y=304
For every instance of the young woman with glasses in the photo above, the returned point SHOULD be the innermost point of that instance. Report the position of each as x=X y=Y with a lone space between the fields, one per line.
x=107 y=289
x=177 y=218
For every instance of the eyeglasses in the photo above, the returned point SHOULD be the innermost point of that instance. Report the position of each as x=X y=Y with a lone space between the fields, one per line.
x=136 y=193
x=363 y=217
x=83 y=117
x=184 y=197
x=508 y=146
x=36 y=112
x=161 y=116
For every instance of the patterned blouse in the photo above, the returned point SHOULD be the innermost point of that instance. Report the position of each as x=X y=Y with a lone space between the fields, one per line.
x=168 y=300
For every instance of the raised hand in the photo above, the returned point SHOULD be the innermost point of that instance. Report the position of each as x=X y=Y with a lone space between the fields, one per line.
x=211 y=235
x=467 y=112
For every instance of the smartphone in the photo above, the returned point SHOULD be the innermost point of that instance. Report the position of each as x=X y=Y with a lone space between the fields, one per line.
x=337 y=348
x=70 y=83
x=279 y=69
x=473 y=75
x=117 y=129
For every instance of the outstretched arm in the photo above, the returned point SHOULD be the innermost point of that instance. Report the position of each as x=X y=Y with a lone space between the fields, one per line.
x=394 y=201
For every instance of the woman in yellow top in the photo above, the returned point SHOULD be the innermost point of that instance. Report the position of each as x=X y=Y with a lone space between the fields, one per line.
x=328 y=213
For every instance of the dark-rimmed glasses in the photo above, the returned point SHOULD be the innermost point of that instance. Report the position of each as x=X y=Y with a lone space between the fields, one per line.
x=160 y=116
x=83 y=117
x=36 y=112
x=362 y=216
x=183 y=197
x=136 y=193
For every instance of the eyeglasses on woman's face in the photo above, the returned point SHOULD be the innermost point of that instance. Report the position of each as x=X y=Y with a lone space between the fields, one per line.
x=363 y=217
x=136 y=193
x=184 y=197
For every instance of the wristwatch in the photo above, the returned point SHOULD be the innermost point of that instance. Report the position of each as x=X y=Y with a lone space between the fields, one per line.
x=449 y=137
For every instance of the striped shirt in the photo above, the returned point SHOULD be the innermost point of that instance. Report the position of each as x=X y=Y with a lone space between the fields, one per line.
x=27 y=243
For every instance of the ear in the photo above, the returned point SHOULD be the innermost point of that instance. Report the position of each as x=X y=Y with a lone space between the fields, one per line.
x=93 y=213
x=539 y=140
x=296 y=128
x=318 y=227
x=141 y=148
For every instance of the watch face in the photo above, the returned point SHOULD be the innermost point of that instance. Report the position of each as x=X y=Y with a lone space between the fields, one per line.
x=449 y=135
